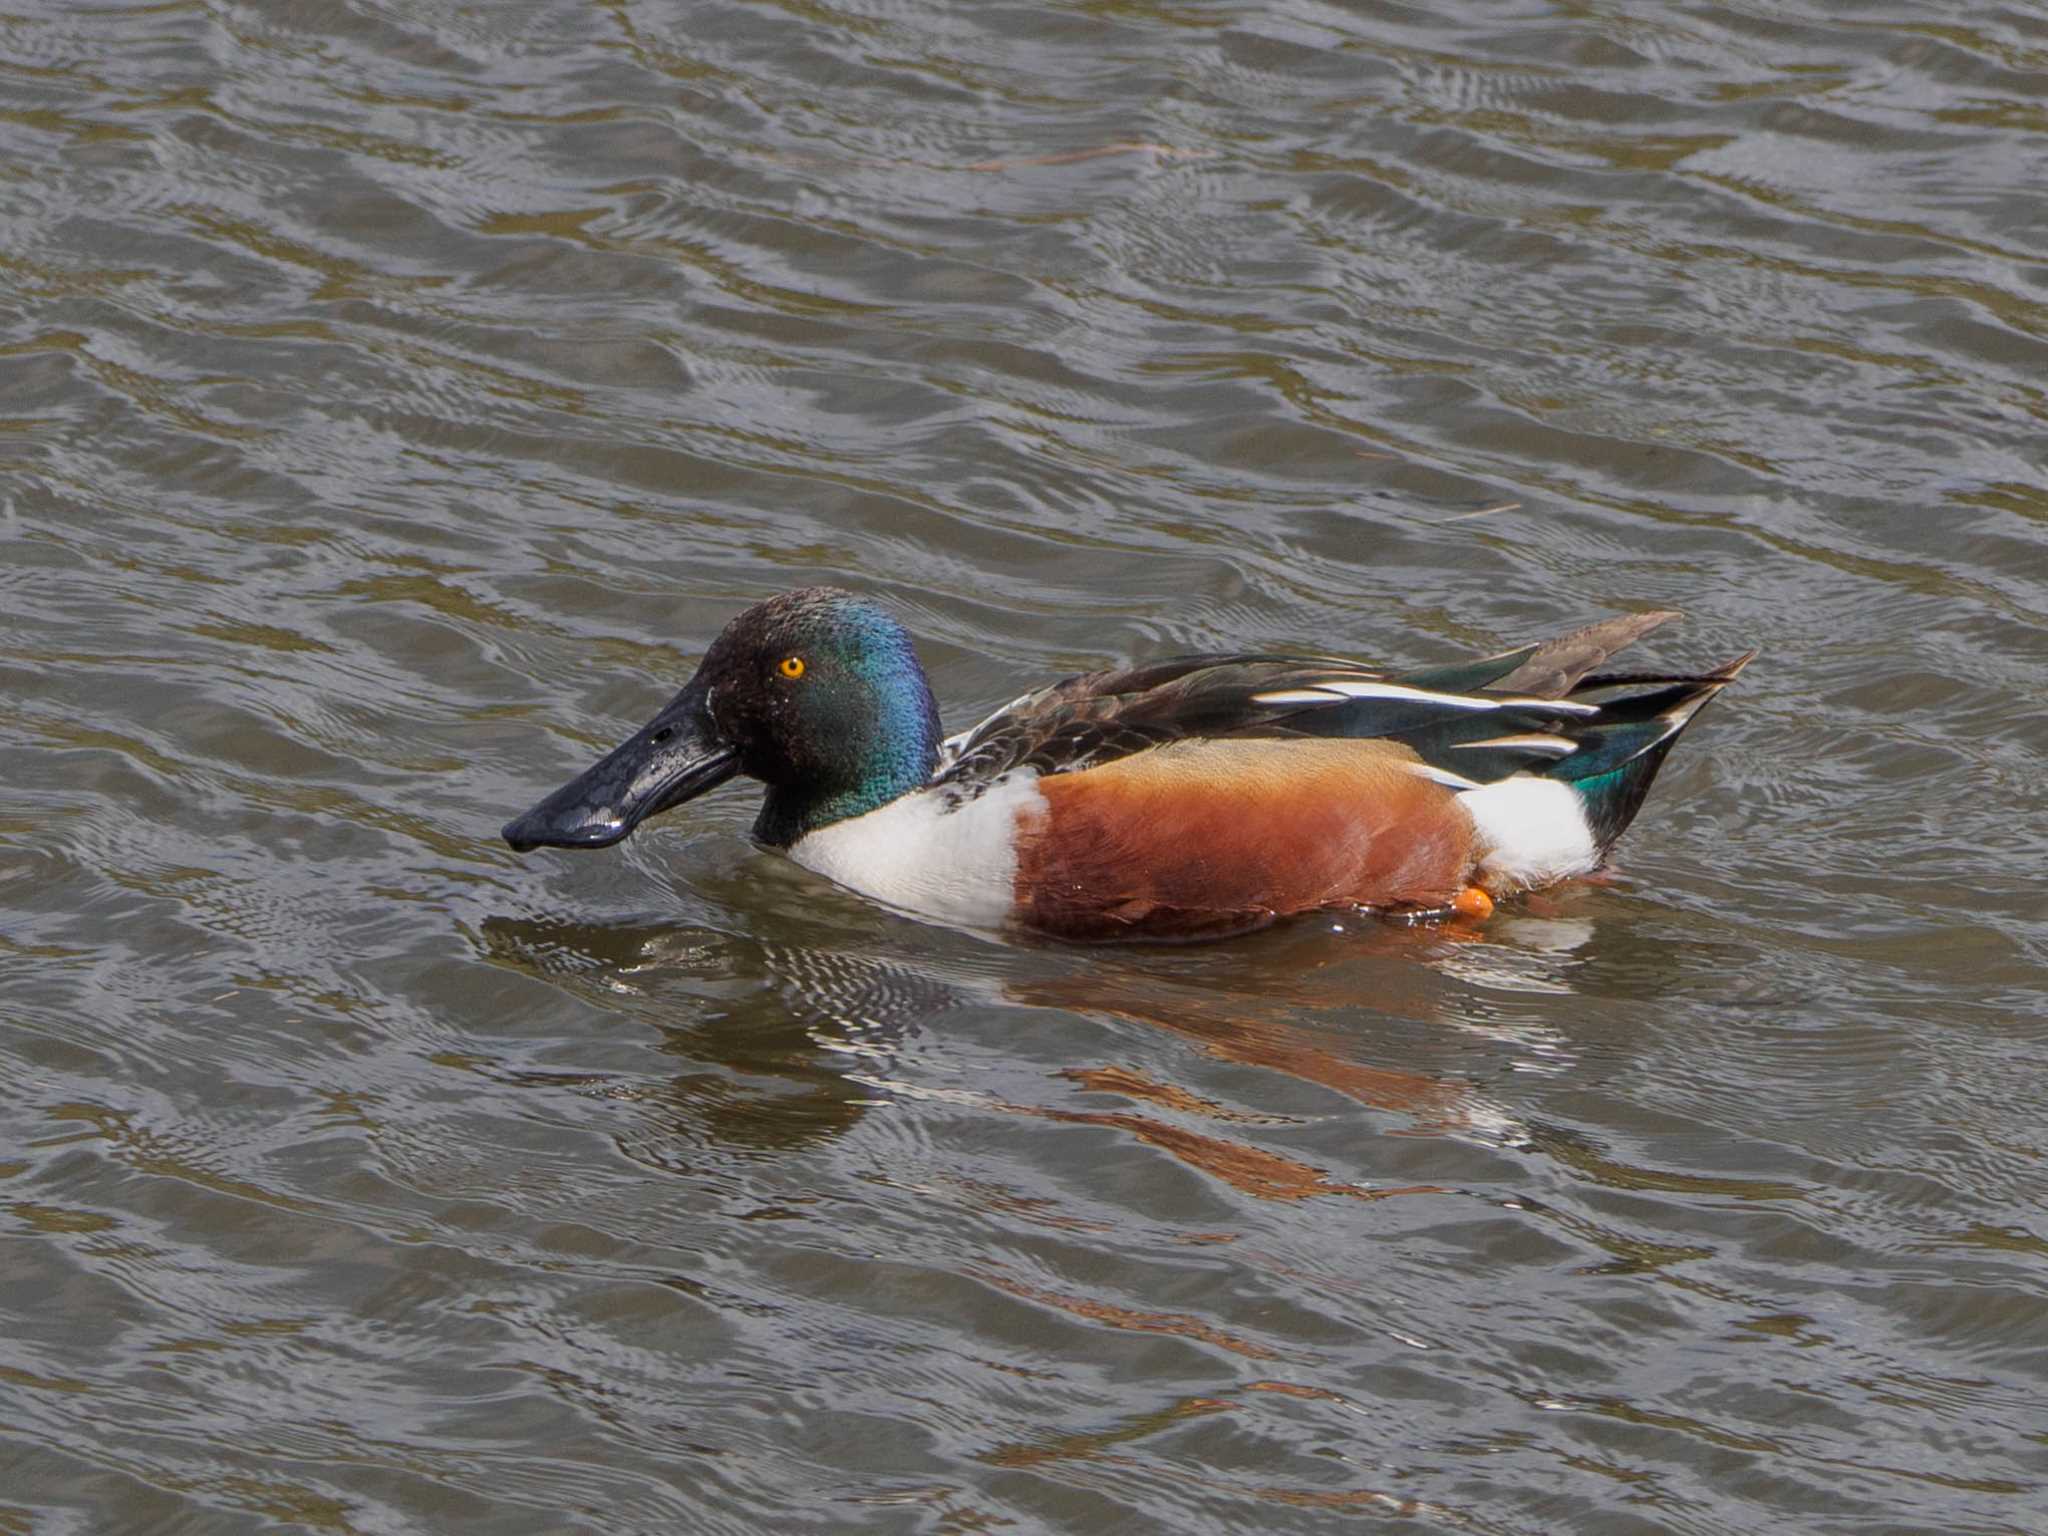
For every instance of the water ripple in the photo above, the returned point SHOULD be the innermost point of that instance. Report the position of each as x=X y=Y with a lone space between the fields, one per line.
x=395 y=404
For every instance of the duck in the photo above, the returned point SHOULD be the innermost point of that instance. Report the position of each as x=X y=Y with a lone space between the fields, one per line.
x=1193 y=797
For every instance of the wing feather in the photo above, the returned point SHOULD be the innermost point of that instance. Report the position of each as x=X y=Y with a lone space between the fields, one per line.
x=1467 y=724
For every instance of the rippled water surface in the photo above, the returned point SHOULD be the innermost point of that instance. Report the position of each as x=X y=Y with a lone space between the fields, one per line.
x=395 y=399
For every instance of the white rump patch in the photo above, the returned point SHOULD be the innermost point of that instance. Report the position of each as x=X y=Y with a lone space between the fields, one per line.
x=928 y=853
x=1532 y=831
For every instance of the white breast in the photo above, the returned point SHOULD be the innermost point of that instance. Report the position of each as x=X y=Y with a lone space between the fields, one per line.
x=922 y=854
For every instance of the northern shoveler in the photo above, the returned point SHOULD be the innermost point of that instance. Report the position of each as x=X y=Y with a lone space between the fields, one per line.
x=1187 y=798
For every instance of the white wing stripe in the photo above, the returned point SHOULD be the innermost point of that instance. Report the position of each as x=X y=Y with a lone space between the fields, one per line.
x=1556 y=744
x=1336 y=690
x=1442 y=776
x=1566 y=705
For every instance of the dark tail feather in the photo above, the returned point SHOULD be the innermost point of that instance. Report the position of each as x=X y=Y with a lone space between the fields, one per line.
x=1554 y=669
x=1622 y=748
x=1546 y=671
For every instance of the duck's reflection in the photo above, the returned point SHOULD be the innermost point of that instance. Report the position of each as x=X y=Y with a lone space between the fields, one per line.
x=765 y=1033
x=790 y=1043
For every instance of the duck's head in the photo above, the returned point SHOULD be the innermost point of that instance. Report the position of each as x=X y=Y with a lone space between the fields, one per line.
x=817 y=693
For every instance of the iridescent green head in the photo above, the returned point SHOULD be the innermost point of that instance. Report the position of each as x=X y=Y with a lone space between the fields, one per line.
x=817 y=693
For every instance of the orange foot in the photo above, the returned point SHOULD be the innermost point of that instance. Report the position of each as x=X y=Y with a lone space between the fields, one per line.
x=1472 y=902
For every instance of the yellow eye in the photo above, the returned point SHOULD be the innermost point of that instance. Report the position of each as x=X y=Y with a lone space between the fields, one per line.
x=791 y=666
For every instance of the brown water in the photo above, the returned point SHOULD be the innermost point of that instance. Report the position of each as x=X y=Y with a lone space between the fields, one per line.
x=394 y=400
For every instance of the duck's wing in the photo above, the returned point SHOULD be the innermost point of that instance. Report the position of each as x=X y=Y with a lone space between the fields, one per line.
x=1464 y=724
x=1090 y=721
x=1008 y=736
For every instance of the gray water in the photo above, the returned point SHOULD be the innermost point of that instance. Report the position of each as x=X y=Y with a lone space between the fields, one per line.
x=395 y=400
